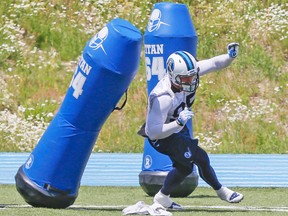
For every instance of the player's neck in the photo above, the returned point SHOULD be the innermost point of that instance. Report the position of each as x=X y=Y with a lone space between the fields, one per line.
x=175 y=88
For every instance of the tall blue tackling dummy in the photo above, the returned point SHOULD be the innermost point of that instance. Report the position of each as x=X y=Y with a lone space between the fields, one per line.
x=52 y=173
x=170 y=29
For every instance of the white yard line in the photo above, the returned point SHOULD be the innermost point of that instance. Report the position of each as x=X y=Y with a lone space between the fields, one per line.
x=239 y=208
x=186 y=208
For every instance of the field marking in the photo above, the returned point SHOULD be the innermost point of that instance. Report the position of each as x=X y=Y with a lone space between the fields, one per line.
x=239 y=208
x=186 y=208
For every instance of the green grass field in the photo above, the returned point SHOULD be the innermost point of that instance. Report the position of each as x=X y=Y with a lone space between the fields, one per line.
x=106 y=201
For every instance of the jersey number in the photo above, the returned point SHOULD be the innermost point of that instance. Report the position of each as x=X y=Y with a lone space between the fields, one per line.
x=189 y=102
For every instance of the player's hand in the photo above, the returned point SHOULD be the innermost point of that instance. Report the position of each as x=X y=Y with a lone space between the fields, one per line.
x=184 y=116
x=232 y=49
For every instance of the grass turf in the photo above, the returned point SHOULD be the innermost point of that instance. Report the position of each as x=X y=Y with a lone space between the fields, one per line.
x=106 y=201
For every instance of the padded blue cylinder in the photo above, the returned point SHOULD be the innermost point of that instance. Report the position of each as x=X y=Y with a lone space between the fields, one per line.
x=106 y=68
x=170 y=29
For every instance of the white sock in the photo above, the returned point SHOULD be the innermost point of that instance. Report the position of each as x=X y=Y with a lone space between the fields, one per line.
x=224 y=193
x=163 y=199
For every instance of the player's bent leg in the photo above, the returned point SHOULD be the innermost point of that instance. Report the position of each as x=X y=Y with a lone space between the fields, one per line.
x=228 y=195
x=166 y=201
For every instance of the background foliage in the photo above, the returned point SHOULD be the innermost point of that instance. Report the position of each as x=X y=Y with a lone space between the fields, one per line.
x=242 y=109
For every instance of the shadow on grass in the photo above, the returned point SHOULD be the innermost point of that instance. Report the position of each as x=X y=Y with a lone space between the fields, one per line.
x=202 y=196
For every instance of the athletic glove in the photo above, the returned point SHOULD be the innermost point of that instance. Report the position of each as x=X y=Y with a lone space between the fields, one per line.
x=232 y=49
x=184 y=116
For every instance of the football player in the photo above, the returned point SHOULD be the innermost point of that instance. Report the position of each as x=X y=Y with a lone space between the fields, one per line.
x=169 y=109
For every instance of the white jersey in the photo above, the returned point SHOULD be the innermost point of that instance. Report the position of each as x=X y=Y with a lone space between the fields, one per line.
x=164 y=105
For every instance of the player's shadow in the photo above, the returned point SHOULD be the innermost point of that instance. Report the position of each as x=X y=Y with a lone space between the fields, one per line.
x=201 y=196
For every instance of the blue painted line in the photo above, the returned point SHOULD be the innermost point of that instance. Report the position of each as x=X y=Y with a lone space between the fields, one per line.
x=114 y=169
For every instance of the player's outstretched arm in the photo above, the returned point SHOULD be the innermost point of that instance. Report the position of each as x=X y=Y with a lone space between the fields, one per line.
x=219 y=62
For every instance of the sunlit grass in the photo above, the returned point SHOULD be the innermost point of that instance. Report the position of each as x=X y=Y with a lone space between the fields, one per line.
x=202 y=202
